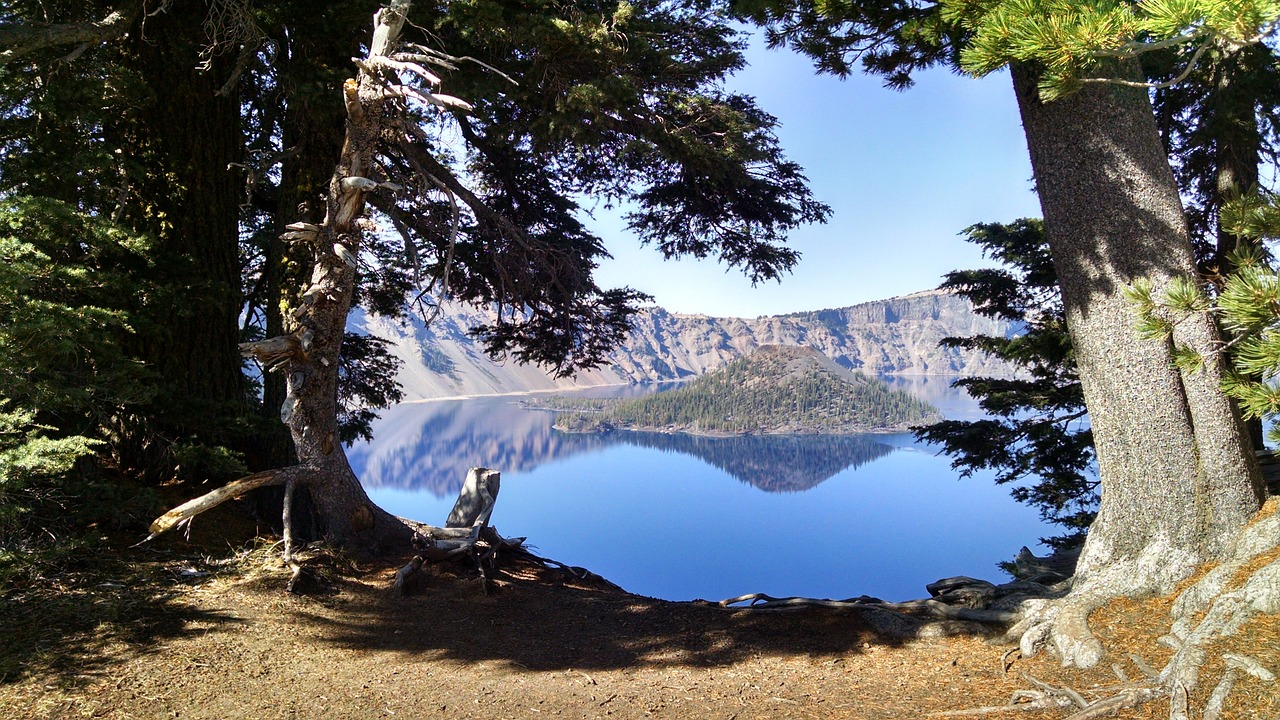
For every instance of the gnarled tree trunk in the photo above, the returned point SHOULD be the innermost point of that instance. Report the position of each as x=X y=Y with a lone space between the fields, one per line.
x=1178 y=478
x=308 y=356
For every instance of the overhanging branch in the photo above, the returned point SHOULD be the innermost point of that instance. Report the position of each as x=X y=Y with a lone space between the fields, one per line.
x=19 y=39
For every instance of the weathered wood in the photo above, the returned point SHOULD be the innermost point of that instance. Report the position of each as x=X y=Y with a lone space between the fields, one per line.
x=476 y=499
x=405 y=574
x=210 y=500
x=19 y=39
x=273 y=351
x=467 y=521
x=286 y=517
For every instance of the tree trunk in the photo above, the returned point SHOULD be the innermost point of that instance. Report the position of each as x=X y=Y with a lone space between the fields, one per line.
x=1178 y=480
x=308 y=356
x=315 y=57
x=1232 y=122
x=189 y=329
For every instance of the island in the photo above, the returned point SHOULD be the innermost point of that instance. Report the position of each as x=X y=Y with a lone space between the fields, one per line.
x=777 y=390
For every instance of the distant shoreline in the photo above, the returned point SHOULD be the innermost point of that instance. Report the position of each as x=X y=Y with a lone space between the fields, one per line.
x=544 y=391
x=720 y=435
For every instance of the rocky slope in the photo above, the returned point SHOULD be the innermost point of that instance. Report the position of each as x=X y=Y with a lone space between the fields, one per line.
x=895 y=336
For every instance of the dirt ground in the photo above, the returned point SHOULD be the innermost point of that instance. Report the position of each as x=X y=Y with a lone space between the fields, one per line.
x=168 y=632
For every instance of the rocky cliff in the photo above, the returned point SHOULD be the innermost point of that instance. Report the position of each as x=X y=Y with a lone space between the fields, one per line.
x=895 y=336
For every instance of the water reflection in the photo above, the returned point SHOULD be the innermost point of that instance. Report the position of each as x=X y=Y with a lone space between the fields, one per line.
x=880 y=515
x=430 y=446
x=774 y=463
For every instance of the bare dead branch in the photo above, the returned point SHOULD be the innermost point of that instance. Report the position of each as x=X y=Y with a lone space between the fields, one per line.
x=208 y=501
x=404 y=574
x=274 y=351
x=994 y=710
x=436 y=57
x=1191 y=65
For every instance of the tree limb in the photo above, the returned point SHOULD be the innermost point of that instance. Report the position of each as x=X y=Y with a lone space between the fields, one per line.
x=18 y=39
x=208 y=501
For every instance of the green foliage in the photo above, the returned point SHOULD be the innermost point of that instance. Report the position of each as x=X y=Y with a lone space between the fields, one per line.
x=366 y=382
x=623 y=103
x=65 y=301
x=30 y=463
x=1249 y=306
x=1036 y=436
x=888 y=38
x=1220 y=125
x=199 y=463
x=620 y=102
x=775 y=389
x=65 y=297
x=1072 y=41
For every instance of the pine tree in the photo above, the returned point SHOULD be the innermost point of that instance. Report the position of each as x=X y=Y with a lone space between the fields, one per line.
x=1036 y=435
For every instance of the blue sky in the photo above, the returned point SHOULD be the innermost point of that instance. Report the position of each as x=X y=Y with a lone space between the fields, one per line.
x=904 y=173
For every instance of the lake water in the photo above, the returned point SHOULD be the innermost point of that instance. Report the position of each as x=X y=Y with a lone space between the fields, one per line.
x=681 y=517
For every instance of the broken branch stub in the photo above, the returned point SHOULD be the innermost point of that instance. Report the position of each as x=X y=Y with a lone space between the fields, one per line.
x=273 y=351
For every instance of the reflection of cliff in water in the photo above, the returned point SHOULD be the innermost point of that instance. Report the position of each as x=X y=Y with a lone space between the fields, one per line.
x=774 y=463
x=430 y=446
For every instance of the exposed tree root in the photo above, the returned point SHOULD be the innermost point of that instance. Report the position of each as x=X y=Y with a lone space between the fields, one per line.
x=1216 y=606
x=926 y=608
x=913 y=619
x=1123 y=700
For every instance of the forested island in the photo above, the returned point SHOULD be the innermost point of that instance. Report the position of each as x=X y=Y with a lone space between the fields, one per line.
x=787 y=390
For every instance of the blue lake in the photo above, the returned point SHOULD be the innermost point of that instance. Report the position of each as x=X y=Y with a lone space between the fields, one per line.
x=682 y=517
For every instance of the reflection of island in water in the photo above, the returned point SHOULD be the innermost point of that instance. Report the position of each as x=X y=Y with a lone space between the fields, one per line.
x=430 y=446
x=775 y=463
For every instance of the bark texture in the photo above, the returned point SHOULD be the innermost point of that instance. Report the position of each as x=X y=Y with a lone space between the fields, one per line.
x=190 y=331
x=308 y=357
x=1178 y=479
x=314 y=58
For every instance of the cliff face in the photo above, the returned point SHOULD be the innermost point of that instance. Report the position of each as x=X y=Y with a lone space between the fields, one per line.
x=895 y=336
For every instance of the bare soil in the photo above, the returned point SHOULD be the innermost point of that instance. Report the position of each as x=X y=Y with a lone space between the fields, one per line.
x=172 y=632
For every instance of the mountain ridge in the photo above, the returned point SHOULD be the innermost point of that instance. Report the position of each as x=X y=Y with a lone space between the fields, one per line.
x=897 y=336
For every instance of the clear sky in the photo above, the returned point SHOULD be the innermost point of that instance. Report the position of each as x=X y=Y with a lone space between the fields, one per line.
x=904 y=173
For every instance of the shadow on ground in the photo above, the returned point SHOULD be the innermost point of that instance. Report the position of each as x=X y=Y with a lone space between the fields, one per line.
x=546 y=620
x=73 y=624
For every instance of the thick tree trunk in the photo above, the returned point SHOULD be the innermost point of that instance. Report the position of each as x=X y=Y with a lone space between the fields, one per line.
x=314 y=59
x=189 y=330
x=1178 y=480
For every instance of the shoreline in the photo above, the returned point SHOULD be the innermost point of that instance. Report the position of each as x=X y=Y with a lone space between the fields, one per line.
x=582 y=388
